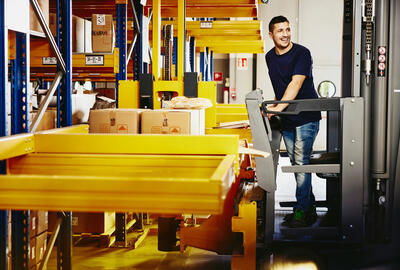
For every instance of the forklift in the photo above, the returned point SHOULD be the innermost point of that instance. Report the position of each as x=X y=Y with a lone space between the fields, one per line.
x=362 y=162
x=361 y=165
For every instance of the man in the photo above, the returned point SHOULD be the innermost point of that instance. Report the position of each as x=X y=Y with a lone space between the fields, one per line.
x=290 y=71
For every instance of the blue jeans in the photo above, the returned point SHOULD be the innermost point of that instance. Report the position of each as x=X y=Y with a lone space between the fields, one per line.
x=299 y=144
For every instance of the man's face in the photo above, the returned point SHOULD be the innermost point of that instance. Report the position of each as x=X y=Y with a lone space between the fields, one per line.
x=281 y=35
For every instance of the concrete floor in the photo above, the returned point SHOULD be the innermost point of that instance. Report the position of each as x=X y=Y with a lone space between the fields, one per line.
x=146 y=256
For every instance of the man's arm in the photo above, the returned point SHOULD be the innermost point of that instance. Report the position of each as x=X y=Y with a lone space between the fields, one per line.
x=291 y=92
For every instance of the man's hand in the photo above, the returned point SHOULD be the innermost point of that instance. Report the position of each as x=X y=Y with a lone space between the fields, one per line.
x=274 y=108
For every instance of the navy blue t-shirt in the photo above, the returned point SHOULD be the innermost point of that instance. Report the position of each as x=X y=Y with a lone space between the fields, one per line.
x=297 y=61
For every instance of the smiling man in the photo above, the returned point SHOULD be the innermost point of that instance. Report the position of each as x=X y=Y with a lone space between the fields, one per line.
x=290 y=70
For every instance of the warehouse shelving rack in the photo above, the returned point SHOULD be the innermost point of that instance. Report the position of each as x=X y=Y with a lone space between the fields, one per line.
x=19 y=74
x=62 y=85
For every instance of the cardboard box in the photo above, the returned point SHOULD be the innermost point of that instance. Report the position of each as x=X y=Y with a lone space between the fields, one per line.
x=42 y=222
x=102 y=33
x=197 y=120
x=48 y=120
x=123 y=121
x=41 y=245
x=172 y=122
x=33 y=20
x=81 y=33
x=84 y=222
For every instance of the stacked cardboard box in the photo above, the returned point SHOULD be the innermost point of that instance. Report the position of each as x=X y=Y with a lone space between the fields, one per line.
x=81 y=33
x=173 y=122
x=122 y=121
x=103 y=37
x=48 y=120
x=38 y=237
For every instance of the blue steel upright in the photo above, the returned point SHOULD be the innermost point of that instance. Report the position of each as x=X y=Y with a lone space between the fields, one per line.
x=3 y=132
x=19 y=124
x=64 y=37
x=19 y=95
x=58 y=40
x=121 y=33
x=138 y=50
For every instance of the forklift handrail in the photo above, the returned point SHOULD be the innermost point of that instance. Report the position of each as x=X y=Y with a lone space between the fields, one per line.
x=304 y=105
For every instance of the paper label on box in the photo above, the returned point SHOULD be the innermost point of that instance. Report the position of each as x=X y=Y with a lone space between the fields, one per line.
x=75 y=221
x=33 y=253
x=101 y=19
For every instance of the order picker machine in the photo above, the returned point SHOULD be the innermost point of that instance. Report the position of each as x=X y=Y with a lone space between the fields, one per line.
x=361 y=166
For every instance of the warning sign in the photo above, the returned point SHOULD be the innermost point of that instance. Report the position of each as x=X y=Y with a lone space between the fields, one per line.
x=175 y=130
x=218 y=77
x=122 y=128
x=242 y=63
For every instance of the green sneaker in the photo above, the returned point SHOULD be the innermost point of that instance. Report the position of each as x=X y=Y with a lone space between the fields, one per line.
x=311 y=216
x=299 y=219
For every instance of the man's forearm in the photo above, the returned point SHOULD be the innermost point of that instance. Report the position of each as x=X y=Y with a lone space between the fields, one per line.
x=291 y=92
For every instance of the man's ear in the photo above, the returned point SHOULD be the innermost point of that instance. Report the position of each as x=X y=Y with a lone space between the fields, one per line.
x=270 y=35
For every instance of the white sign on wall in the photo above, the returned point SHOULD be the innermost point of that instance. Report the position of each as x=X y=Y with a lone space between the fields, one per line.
x=242 y=63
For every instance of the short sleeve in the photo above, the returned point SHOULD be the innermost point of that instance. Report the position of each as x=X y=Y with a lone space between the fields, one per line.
x=303 y=65
x=267 y=59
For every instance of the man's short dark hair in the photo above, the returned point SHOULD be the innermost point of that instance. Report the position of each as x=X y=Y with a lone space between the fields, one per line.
x=275 y=20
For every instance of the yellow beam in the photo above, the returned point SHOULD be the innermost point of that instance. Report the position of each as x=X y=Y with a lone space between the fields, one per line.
x=244 y=133
x=228 y=38
x=159 y=184
x=156 y=38
x=115 y=165
x=213 y=12
x=16 y=145
x=87 y=193
x=162 y=86
x=181 y=39
x=219 y=28
x=233 y=46
x=207 y=2
x=231 y=112
x=67 y=130
x=136 y=144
